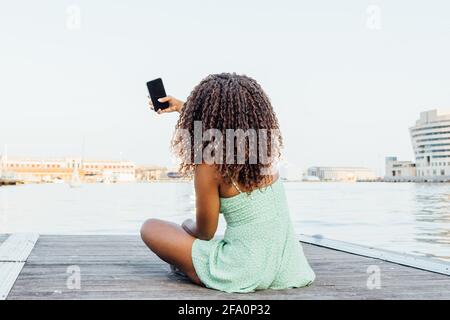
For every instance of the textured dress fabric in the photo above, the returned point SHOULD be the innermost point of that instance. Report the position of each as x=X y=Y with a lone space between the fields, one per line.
x=259 y=249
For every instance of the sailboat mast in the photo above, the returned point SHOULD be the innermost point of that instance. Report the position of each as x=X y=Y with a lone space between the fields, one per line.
x=4 y=160
x=82 y=152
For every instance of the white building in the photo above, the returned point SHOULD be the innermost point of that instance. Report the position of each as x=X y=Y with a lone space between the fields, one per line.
x=342 y=173
x=431 y=143
x=399 y=170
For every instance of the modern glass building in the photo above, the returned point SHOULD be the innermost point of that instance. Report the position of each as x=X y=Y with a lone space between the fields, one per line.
x=431 y=143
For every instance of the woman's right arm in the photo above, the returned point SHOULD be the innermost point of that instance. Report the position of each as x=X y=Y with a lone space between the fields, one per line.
x=207 y=203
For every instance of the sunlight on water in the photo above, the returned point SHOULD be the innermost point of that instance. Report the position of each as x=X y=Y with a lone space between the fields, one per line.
x=404 y=217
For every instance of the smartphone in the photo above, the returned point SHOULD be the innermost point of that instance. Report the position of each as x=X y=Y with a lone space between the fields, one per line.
x=156 y=90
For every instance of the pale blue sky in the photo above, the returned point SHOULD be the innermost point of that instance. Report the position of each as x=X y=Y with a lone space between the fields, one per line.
x=345 y=94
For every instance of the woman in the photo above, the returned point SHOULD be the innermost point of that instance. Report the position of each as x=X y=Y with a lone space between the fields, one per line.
x=259 y=249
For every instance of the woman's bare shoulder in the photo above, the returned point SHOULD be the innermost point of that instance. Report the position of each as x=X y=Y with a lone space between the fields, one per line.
x=207 y=173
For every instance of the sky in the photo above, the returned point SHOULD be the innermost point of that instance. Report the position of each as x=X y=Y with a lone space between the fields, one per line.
x=346 y=78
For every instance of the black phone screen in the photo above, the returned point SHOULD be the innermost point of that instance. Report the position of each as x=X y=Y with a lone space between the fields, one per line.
x=156 y=90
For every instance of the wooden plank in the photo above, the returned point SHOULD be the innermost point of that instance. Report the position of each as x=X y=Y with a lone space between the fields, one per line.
x=121 y=267
x=404 y=259
x=17 y=247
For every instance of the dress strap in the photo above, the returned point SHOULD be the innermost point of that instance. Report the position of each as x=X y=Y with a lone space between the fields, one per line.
x=236 y=186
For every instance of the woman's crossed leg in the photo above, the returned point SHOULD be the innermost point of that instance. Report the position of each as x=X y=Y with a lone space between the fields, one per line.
x=172 y=244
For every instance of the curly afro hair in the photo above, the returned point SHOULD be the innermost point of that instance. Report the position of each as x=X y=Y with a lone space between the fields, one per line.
x=229 y=101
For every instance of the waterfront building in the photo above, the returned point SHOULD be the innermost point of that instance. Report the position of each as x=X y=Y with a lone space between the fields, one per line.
x=399 y=170
x=151 y=173
x=53 y=170
x=431 y=143
x=342 y=173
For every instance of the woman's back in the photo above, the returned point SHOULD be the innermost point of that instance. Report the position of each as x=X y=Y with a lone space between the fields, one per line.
x=258 y=250
x=260 y=205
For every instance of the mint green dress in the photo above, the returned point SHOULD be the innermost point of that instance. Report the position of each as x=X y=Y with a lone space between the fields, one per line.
x=259 y=249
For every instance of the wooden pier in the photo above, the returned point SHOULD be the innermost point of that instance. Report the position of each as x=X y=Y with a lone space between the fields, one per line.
x=121 y=267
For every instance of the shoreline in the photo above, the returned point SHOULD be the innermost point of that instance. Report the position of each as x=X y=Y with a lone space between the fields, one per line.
x=422 y=182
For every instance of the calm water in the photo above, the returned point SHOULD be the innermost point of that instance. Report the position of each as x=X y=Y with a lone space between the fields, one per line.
x=405 y=217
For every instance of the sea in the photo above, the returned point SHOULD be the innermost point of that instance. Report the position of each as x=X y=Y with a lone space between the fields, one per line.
x=411 y=218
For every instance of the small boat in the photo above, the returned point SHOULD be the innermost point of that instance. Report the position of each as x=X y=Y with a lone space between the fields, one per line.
x=310 y=179
x=58 y=181
x=75 y=182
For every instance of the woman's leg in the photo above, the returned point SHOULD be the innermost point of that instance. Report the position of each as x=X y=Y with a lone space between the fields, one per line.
x=172 y=244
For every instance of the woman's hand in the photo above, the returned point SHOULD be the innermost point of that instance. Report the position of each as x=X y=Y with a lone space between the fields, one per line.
x=190 y=227
x=174 y=105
